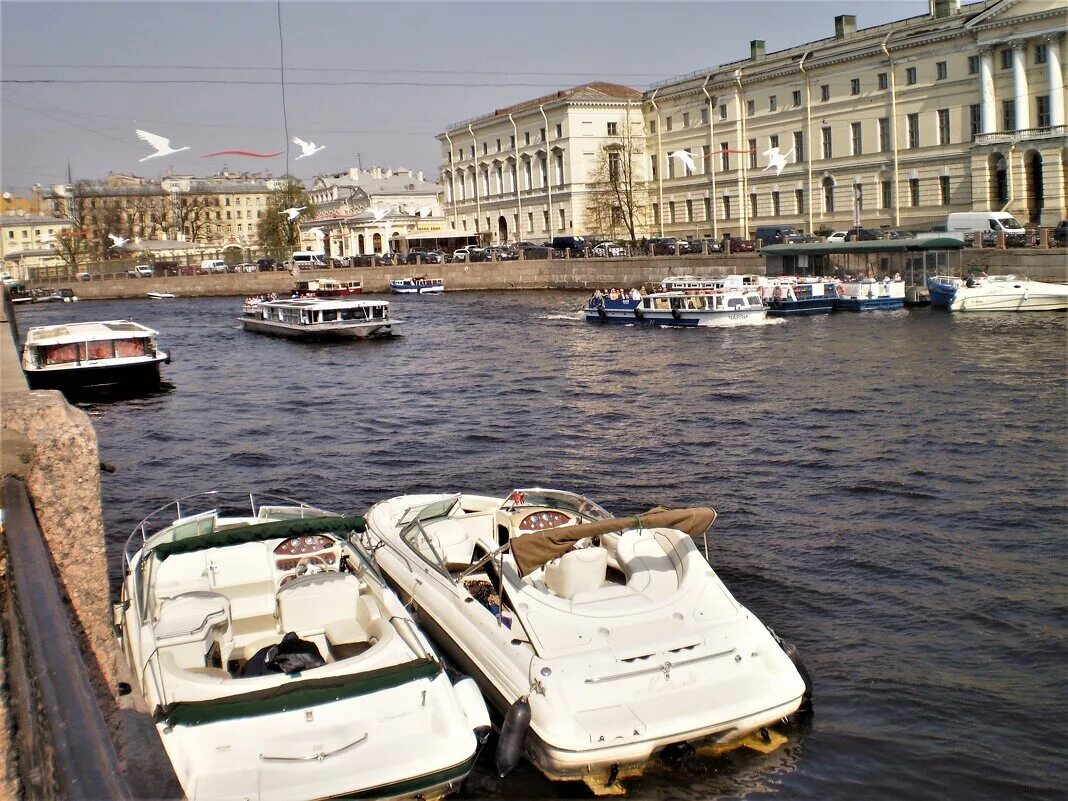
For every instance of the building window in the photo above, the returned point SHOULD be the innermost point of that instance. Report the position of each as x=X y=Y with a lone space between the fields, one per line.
x=559 y=131
x=941 y=71
x=773 y=103
x=613 y=165
x=858 y=144
x=511 y=141
x=706 y=159
x=485 y=148
x=888 y=194
x=545 y=219
x=750 y=108
x=914 y=191
x=884 y=134
x=1006 y=59
x=563 y=220
x=825 y=92
x=656 y=213
x=854 y=86
x=613 y=129
x=943 y=189
x=686 y=167
x=541 y=134
x=1008 y=115
x=726 y=207
x=652 y=167
x=752 y=204
x=973 y=65
x=912 y=123
x=1041 y=53
x=725 y=157
x=799 y=200
x=799 y=146
x=526 y=137
x=704 y=115
x=752 y=154
x=667 y=124
x=686 y=119
x=689 y=211
x=910 y=75
x=826 y=142
x=774 y=141
x=884 y=81
x=775 y=204
x=1042 y=116
x=652 y=126
x=974 y=120
x=797 y=97
x=670 y=166
x=708 y=208
x=858 y=195
x=723 y=111
x=498 y=145
x=828 y=195
x=943 y=126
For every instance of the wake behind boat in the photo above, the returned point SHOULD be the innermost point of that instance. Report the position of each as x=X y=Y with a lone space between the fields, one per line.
x=319 y=318
x=996 y=293
x=601 y=640
x=278 y=665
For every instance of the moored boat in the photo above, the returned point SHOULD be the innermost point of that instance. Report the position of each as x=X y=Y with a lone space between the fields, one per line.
x=161 y=295
x=867 y=294
x=276 y=662
x=319 y=318
x=788 y=296
x=417 y=285
x=600 y=640
x=996 y=293
x=692 y=308
x=92 y=354
x=328 y=288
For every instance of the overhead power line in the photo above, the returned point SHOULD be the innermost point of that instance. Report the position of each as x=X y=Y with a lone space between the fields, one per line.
x=249 y=82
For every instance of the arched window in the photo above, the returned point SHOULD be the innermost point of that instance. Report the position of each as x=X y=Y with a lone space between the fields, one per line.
x=828 y=194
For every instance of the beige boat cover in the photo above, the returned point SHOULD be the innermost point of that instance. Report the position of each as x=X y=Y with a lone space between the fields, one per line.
x=533 y=550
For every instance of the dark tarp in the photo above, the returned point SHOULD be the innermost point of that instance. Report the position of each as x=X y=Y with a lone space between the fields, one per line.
x=533 y=550
x=260 y=532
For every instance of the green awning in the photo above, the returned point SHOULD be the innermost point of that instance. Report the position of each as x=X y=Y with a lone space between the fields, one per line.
x=260 y=532
x=874 y=246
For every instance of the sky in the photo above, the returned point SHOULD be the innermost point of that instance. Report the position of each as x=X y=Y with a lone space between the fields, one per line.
x=207 y=74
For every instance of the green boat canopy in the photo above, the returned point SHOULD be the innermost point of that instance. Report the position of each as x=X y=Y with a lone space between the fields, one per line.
x=259 y=532
x=874 y=246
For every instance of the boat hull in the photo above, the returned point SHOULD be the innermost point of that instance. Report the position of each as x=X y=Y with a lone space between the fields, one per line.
x=801 y=307
x=869 y=304
x=366 y=330
x=138 y=374
x=425 y=290
x=678 y=318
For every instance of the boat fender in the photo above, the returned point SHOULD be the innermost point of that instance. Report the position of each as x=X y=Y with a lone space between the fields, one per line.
x=513 y=734
x=676 y=314
x=791 y=651
x=474 y=707
x=638 y=312
x=601 y=312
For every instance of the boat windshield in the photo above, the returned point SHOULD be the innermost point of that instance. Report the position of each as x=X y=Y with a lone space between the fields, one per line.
x=578 y=505
x=414 y=535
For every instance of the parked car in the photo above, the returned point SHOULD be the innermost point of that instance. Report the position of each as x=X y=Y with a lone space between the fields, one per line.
x=608 y=249
x=837 y=236
x=665 y=245
x=247 y=267
x=697 y=246
x=140 y=271
x=575 y=244
x=466 y=253
x=81 y=277
x=778 y=234
x=533 y=251
x=212 y=266
x=738 y=245
x=266 y=265
x=1059 y=235
x=501 y=253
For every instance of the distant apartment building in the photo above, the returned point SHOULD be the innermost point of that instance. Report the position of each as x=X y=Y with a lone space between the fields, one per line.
x=26 y=242
x=523 y=172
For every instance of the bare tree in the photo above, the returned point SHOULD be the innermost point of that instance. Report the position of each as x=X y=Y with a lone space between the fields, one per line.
x=617 y=199
x=190 y=214
x=278 y=234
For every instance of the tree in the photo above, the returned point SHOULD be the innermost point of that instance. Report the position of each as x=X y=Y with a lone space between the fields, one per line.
x=617 y=200
x=279 y=235
x=191 y=216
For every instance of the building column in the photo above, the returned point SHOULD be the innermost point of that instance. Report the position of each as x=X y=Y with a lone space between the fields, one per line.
x=1056 y=80
x=1019 y=85
x=987 y=110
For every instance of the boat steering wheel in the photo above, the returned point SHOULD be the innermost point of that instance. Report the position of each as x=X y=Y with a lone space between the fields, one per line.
x=309 y=565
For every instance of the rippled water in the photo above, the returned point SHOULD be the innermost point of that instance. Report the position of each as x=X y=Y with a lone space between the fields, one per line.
x=891 y=489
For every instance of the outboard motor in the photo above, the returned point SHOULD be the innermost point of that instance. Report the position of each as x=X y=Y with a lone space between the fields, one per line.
x=513 y=733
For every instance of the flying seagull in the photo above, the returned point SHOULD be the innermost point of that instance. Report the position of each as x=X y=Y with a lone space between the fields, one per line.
x=685 y=158
x=307 y=148
x=293 y=212
x=776 y=159
x=426 y=211
x=380 y=214
x=118 y=241
x=161 y=143
x=317 y=233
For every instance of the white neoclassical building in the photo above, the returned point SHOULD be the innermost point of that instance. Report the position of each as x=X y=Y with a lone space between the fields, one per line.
x=522 y=172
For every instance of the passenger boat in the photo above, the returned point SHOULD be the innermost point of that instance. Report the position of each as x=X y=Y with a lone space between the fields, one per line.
x=92 y=354
x=328 y=288
x=683 y=283
x=276 y=662
x=319 y=318
x=866 y=294
x=161 y=295
x=789 y=296
x=601 y=640
x=420 y=285
x=996 y=293
x=693 y=308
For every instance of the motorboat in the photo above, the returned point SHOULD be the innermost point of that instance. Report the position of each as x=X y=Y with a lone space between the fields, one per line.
x=684 y=283
x=867 y=294
x=278 y=665
x=161 y=295
x=790 y=296
x=996 y=293
x=417 y=285
x=319 y=318
x=600 y=640
x=690 y=308
x=92 y=354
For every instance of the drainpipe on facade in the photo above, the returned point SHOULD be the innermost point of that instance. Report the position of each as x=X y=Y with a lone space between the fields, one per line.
x=452 y=180
x=1008 y=174
x=548 y=170
x=478 y=198
x=711 y=159
x=893 y=130
x=743 y=172
x=808 y=137
x=659 y=166
x=515 y=177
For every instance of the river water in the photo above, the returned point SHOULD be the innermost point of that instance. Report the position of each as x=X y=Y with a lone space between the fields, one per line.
x=891 y=489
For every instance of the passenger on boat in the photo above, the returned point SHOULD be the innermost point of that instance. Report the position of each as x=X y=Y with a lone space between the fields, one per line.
x=598 y=294
x=635 y=294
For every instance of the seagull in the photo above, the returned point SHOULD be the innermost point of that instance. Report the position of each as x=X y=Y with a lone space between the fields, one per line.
x=776 y=159
x=117 y=241
x=317 y=233
x=293 y=212
x=161 y=143
x=380 y=214
x=48 y=238
x=685 y=158
x=426 y=211
x=307 y=148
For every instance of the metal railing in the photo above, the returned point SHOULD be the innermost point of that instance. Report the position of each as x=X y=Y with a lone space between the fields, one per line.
x=1022 y=135
x=63 y=743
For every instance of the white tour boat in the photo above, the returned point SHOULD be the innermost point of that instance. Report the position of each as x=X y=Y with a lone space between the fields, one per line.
x=276 y=662
x=601 y=640
x=689 y=309
x=996 y=293
x=319 y=318
x=92 y=354
x=420 y=285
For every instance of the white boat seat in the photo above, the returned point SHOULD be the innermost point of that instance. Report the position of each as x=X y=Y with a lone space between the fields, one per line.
x=645 y=562
x=190 y=624
x=576 y=571
x=453 y=540
x=307 y=604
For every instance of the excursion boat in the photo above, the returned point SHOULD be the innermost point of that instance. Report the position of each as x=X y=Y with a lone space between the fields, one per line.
x=277 y=664
x=996 y=293
x=93 y=354
x=787 y=297
x=683 y=283
x=329 y=288
x=693 y=308
x=319 y=318
x=600 y=640
x=416 y=286
x=866 y=294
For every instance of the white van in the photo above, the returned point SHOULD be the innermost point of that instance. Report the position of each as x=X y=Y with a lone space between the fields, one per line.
x=213 y=266
x=972 y=222
x=308 y=260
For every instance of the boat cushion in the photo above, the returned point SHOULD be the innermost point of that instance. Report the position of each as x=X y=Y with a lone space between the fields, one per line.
x=187 y=616
x=649 y=570
x=577 y=570
x=308 y=603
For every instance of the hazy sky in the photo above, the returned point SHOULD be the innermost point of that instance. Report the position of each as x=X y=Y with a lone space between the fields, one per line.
x=411 y=69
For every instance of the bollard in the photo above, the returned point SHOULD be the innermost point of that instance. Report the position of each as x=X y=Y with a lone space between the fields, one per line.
x=1043 y=238
x=677 y=247
x=1002 y=244
x=651 y=249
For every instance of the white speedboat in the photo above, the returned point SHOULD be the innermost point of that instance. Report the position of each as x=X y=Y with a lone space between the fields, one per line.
x=320 y=318
x=417 y=285
x=601 y=640
x=996 y=293
x=161 y=295
x=278 y=665
x=78 y=355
